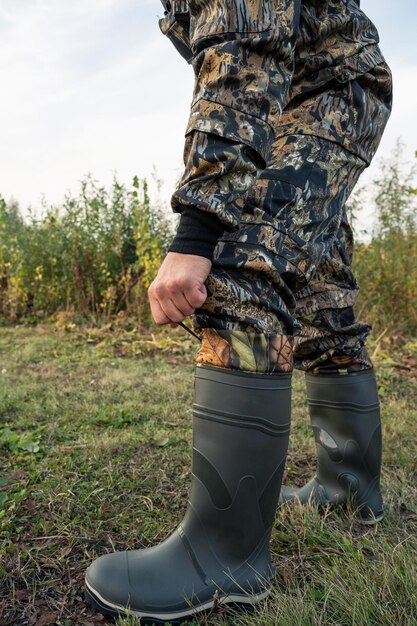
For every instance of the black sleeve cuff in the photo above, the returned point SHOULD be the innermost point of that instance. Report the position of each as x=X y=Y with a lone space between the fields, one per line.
x=198 y=233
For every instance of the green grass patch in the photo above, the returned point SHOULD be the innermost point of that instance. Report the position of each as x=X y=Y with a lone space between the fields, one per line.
x=95 y=444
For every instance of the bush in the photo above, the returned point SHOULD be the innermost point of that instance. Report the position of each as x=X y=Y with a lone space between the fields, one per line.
x=95 y=255
x=387 y=266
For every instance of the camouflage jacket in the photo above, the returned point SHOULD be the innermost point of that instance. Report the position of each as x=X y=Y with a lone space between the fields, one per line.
x=250 y=59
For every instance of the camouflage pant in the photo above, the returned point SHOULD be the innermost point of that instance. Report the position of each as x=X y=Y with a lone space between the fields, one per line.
x=290 y=101
x=281 y=291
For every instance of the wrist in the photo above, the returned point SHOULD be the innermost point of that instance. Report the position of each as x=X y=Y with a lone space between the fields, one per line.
x=198 y=233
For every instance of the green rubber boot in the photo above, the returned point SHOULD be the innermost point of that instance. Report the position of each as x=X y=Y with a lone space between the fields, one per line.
x=346 y=421
x=219 y=554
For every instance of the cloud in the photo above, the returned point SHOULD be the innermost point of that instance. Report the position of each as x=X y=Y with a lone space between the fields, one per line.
x=93 y=86
x=87 y=86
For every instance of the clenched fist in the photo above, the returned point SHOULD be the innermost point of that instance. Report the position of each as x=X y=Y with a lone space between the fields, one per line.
x=178 y=288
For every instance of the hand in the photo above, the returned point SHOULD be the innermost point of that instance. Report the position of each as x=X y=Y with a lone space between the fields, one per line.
x=178 y=288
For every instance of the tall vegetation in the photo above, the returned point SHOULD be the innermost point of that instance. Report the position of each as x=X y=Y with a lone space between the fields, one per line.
x=97 y=253
x=94 y=255
x=387 y=265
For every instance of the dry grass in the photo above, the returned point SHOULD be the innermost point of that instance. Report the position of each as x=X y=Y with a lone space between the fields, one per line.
x=97 y=457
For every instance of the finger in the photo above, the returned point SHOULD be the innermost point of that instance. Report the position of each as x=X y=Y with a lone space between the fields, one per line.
x=157 y=312
x=170 y=310
x=196 y=296
x=182 y=304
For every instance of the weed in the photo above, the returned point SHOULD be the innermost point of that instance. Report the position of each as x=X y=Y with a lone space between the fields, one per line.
x=112 y=473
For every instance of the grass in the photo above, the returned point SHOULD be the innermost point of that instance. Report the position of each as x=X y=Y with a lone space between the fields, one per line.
x=95 y=453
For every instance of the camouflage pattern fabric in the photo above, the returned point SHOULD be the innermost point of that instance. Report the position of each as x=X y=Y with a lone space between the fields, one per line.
x=251 y=57
x=331 y=340
x=290 y=102
x=251 y=352
x=286 y=271
x=176 y=26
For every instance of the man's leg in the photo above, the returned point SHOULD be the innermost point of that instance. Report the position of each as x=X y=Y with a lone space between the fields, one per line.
x=287 y=230
x=294 y=239
x=331 y=346
x=341 y=389
x=332 y=340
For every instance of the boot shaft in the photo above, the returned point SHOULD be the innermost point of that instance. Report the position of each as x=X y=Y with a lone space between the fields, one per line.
x=241 y=428
x=345 y=417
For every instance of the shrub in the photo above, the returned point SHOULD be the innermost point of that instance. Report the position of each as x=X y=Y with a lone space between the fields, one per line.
x=95 y=255
x=387 y=266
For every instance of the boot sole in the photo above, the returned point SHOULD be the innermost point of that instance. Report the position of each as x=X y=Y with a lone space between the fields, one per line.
x=232 y=601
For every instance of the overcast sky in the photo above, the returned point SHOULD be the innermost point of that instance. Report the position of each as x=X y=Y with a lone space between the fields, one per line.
x=93 y=86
